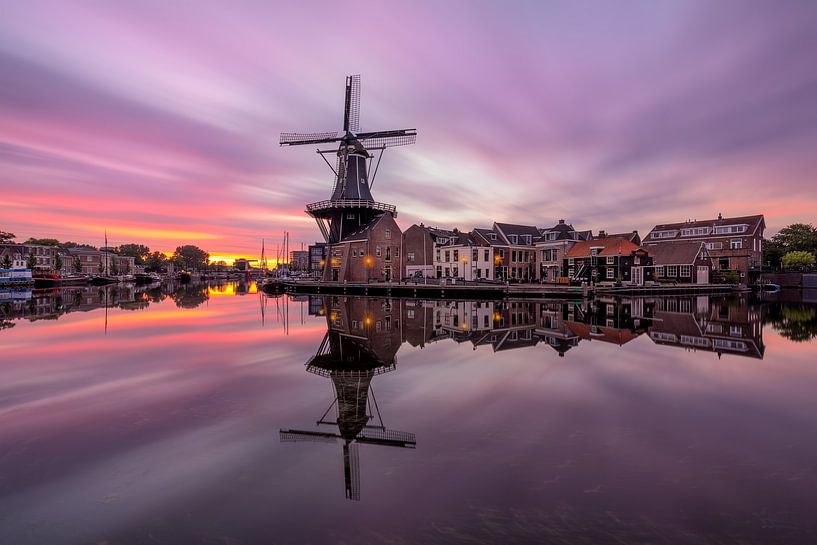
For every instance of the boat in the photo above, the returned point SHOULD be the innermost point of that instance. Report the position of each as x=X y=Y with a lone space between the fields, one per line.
x=100 y=280
x=770 y=287
x=46 y=280
x=147 y=278
x=16 y=277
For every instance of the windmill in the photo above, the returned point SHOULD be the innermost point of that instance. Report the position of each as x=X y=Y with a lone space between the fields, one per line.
x=351 y=205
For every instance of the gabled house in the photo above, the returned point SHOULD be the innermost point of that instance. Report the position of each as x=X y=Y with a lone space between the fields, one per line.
x=370 y=253
x=684 y=262
x=608 y=259
x=551 y=247
x=733 y=243
x=514 y=252
x=632 y=236
x=465 y=256
x=420 y=245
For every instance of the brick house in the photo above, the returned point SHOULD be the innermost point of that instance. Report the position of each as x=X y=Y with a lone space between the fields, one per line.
x=372 y=253
x=92 y=262
x=608 y=259
x=44 y=257
x=733 y=243
x=686 y=262
x=551 y=248
x=513 y=250
x=420 y=243
x=466 y=256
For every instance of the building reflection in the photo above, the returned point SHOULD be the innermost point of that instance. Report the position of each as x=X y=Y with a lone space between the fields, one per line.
x=362 y=338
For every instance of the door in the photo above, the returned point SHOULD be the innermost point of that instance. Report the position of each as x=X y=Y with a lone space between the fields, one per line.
x=387 y=273
x=703 y=274
x=335 y=274
x=638 y=276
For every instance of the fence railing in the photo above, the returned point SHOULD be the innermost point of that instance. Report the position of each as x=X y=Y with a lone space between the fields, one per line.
x=350 y=203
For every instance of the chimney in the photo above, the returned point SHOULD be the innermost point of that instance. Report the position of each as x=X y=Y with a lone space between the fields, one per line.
x=561 y=222
x=602 y=234
x=720 y=216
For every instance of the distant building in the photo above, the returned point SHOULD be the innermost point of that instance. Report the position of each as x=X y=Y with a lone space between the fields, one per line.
x=317 y=259
x=551 y=248
x=91 y=262
x=299 y=260
x=683 y=261
x=733 y=243
x=43 y=257
x=243 y=264
x=632 y=236
x=608 y=259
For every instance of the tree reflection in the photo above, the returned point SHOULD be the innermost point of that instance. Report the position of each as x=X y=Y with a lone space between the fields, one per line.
x=796 y=322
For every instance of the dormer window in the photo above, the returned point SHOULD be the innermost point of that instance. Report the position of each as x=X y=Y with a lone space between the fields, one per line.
x=492 y=236
x=552 y=236
x=512 y=238
x=730 y=229
x=527 y=238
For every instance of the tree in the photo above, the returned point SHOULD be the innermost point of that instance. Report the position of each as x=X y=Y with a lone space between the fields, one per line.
x=7 y=261
x=155 y=261
x=798 y=259
x=31 y=261
x=58 y=262
x=6 y=237
x=77 y=265
x=43 y=241
x=69 y=244
x=191 y=257
x=139 y=252
x=797 y=237
x=772 y=253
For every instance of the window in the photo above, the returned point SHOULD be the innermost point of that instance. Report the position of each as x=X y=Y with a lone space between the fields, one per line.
x=456 y=255
x=513 y=255
x=527 y=238
x=610 y=273
x=447 y=255
x=492 y=236
x=487 y=256
x=354 y=253
x=672 y=271
x=664 y=234
x=456 y=270
x=388 y=253
x=611 y=260
x=686 y=270
x=714 y=245
x=570 y=261
x=410 y=256
x=397 y=253
x=695 y=231
x=735 y=244
x=474 y=255
x=552 y=236
x=730 y=229
x=512 y=238
x=438 y=254
x=350 y=216
x=377 y=252
x=388 y=234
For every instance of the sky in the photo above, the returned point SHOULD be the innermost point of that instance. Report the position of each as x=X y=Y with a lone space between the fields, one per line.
x=159 y=121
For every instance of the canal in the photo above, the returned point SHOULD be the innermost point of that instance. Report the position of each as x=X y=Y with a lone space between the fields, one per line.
x=216 y=414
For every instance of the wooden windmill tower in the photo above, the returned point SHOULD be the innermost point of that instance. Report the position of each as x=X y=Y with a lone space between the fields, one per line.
x=351 y=205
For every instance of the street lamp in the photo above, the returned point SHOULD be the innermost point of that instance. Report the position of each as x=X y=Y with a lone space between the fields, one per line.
x=369 y=262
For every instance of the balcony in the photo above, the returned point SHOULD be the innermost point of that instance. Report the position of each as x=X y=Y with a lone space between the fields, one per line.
x=349 y=203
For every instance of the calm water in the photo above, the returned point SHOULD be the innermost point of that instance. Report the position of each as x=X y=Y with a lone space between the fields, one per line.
x=216 y=415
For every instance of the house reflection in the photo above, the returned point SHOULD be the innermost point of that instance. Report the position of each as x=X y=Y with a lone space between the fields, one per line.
x=719 y=325
x=362 y=338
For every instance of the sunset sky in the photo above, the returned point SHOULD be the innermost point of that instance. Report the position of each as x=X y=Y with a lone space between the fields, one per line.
x=159 y=121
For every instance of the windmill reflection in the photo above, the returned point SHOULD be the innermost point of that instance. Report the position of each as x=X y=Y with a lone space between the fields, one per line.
x=362 y=339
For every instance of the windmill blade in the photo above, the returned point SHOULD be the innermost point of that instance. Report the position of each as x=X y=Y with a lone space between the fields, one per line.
x=354 y=104
x=388 y=139
x=297 y=436
x=387 y=438
x=306 y=138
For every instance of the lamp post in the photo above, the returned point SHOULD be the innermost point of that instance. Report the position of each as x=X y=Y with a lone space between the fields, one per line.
x=369 y=262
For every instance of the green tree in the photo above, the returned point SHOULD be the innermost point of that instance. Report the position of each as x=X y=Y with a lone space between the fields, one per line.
x=31 y=261
x=7 y=261
x=155 y=261
x=6 y=237
x=797 y=237
x=798 y=259
x=191 y=257
x=69 y=244
x=772 y=253
x=139 y=252
x=43 y=241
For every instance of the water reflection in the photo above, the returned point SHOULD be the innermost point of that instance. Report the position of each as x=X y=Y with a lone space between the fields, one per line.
x=351 y=354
